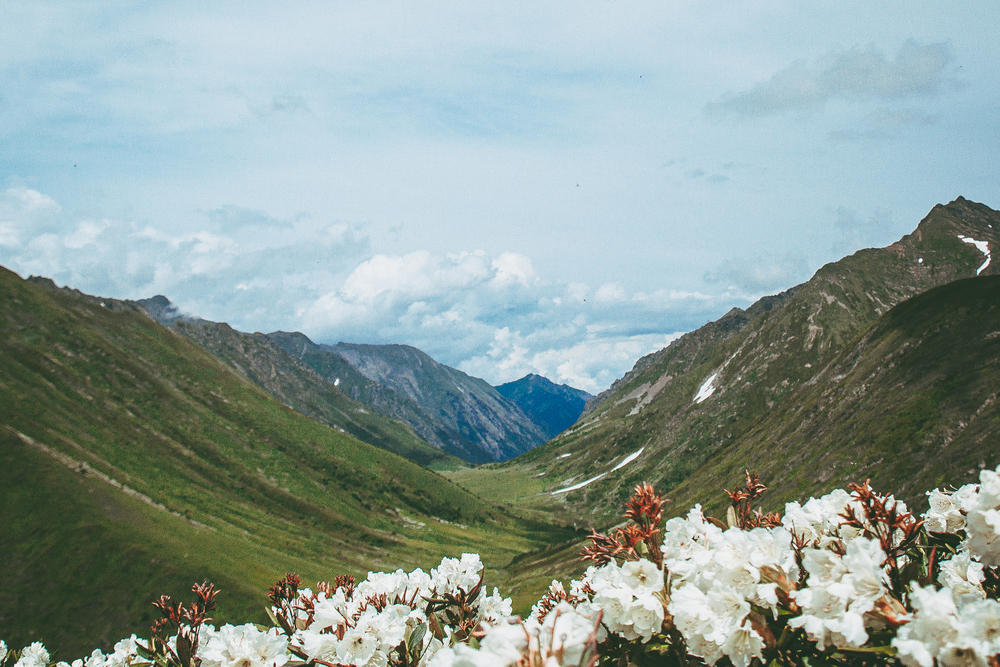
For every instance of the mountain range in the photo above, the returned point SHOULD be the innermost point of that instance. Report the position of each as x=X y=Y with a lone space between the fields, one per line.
x=141 y=450
x=448 y=415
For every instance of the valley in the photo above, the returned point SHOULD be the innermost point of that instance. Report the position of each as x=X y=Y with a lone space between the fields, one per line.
x=143 y=449
x=104 y=407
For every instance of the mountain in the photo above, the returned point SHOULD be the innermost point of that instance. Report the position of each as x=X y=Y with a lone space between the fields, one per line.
x=554 y=407
x=300 y=387
x=463 y=415
x=726 y=390
x=911 y=404
x=435 y=413
x=133 y=462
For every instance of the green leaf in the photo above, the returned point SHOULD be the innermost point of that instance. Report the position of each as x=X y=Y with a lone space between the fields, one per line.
x=415 y=641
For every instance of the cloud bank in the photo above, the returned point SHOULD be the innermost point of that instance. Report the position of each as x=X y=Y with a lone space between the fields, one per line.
x=494 y=316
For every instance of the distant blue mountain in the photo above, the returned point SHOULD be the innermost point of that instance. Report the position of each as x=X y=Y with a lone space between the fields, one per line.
x=554 y=407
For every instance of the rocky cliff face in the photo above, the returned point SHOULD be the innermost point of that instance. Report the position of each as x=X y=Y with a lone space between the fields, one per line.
x=447 y=408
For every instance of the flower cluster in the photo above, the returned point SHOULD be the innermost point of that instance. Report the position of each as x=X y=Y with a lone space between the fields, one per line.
x=952 y=630
x=852 y=577
x=399 y=618
x=569 y=635
x=721 y=581
x=975 y=508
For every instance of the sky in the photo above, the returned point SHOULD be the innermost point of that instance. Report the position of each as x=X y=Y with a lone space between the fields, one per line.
x=556 y=188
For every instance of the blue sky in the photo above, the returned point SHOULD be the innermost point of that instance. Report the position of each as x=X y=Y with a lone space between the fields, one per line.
x=556 y=188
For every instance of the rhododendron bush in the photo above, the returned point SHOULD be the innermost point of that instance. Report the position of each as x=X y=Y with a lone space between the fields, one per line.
x=851 y=578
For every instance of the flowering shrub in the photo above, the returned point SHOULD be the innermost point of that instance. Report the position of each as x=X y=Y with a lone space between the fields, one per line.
x=851 y=578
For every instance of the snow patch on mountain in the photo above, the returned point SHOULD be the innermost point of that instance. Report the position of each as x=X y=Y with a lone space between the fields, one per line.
x=707 y=389
x=580 y=485
x=628 y=459
x=983 y=246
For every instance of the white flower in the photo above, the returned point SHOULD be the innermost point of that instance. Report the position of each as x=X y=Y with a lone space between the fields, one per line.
x=820 y=518
x=839 y=592
x=33 y=656
x=329 y=612
x=494 y=608
x=642 y=574
x=560 y=642
x=646 y=616
x=627 y=597
x=963 y=576
x=126 y=653
x=567 y=630
x=453 y=574
x=945 y=513
x=3 y=650
x=934 y=626
x=743 y=645
x=96 y=659
x=357 y=647
x=983 y=520
x=244 y=646
x=948 y=631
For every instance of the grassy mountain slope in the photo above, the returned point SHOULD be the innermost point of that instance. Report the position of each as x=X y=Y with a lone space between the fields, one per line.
x=682 y=407
x=463 y=415
x=554 y=407
x=304 y=390
x=174 y=466
x=911 y=404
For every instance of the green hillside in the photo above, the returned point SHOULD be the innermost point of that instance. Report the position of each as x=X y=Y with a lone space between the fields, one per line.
x=911 y=404
x=300 y=387
x=155 y=464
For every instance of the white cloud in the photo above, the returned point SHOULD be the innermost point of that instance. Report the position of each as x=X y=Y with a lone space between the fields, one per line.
x=861 y=74
x=610 y=292
x=415 y=275
x=590 y=364
x=87 y=233
x=494 y=316
x=25 y=213
x=512 y=268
